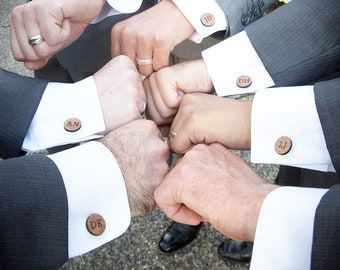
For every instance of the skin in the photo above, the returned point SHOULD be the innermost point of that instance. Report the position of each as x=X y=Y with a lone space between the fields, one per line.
x=120 y=92
x=60 y=22
x=166 y=87
x=151 y=34
x=203 y=118
x=137 y=144
x=142 y=156
x=211 y=173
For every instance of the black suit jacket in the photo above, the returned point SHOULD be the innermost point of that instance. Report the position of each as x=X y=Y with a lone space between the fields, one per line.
x=299 y=44
x=33 y=202
x=326 y=248
x=92 y=50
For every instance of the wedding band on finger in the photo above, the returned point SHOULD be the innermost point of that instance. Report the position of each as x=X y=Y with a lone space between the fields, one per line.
x=166 y=140
x=172 y=134
x=143 y=108
x=144 y=62
x=33 y=41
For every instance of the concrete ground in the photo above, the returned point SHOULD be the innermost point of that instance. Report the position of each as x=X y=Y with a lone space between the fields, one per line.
x=138 y=247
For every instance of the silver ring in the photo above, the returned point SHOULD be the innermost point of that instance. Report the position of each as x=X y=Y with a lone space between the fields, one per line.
x=144 y=62
x=33 y=41
x=166 y=140
x=143 y=109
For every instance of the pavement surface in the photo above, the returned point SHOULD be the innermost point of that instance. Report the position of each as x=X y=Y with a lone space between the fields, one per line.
x=138 y=247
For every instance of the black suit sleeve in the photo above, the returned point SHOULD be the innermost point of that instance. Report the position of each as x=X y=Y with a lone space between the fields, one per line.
x=327 y=99
x=33 y=201
x=33 y=214
x=299 y=43
x=326 y=248
x=19 y=100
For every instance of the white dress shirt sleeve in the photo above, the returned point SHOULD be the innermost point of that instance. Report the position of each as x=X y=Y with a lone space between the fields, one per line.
x=291 y=112
x=94 y=185
x=284 y=231
x=193 y=10
x=232 y=58
x=114 y=7
x=125 y=6
x=60 y=102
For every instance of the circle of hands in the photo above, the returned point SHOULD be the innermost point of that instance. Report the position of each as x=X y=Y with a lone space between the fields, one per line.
x=202 y=127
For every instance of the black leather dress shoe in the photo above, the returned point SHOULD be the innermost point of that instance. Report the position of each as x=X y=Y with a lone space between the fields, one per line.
x=235 y=251
x=177 y=236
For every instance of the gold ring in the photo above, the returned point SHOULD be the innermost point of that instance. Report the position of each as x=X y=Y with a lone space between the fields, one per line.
x=144 y=62
x=172 y=134
x=33 y=41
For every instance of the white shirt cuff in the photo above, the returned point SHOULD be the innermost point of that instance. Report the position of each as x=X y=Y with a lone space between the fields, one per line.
x=232 y=58
x=114 y=7
x=124 y=6
x=94 y=184
x=291 y=112
x=284 y=232
x=60 y=102
x=193 y=10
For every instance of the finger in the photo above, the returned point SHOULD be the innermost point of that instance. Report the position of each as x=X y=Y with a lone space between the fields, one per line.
x=54 y=33
x=33 y=30
x=127 y=45
x=57 y=33
x=16 y=50
x=115 y=37
x=167 y=198
x=22 y=49
x=151 y=112
x=144 y=54
x=160 y=57
x=34 y=65
x=165 y=94
x=13 y=22
x=180 y=136
x=144 y=65
x=185 y=215
x=156 y=105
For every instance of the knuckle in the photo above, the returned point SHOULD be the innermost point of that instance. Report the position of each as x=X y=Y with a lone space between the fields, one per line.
x=188 y=109
x=161 y=40
x=15 y=13
x=126 y=35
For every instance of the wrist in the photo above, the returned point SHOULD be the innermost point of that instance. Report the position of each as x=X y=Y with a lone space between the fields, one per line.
x=193 y=68
x=252 y=213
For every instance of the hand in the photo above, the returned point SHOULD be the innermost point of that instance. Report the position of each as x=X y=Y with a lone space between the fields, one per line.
x=211 y=184
x=143 y=157
x=166 y=87
x=203 y=118
x=120 y=92
x=60 y=22
x=151 y=34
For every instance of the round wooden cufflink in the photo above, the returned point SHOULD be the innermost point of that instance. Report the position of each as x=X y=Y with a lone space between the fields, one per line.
x=207 y=19
x=72 y=124
x=95 y=224
x=243 y=81
x=283 y=145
